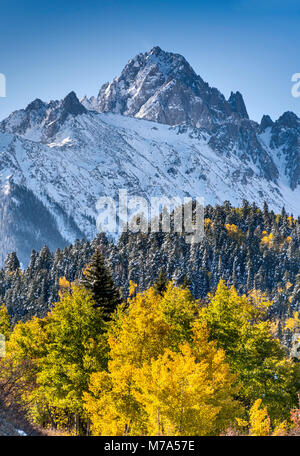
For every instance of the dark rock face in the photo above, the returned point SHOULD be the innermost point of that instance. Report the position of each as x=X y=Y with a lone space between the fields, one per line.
x=288 y=120
x=36 y=105
x=71 y=105
x=237 y=105
x=266 y=122
x=241 y=139
x=285 y=142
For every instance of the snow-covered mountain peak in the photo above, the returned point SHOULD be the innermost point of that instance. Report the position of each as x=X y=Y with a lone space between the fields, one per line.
x=36 y=106
x=40 y=121
x=156 y=130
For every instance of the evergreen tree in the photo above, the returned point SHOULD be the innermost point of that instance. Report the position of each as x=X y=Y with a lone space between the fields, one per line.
x=161 y=283
x=11 y=263
x=98 y=279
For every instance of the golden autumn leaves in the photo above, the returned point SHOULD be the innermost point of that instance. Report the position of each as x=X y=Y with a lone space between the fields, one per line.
x=167 y=376
x=164 y=376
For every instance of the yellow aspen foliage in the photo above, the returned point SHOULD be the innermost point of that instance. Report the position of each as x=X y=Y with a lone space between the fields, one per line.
x=189 y=392
x=289 y=239
x=260 y=424
x=150 y=323
x=157 y=345
x=86 y=270
x=207 y=222
x=63 y=282
x=132 y=288
x=268 y=240
x=234 y=231
x=64 y=286
x=140 y=332
x=165 y=364
x=5 y=327
x=242 y=423
x=76 y=348
x=28 y=341
x=282 y=429
x=60 y=352
x=111 y=405
x=288 y=285
x=184 y=392
x=231 y=228
x=274 y=327
x=258 y=304
x=24 y=354
x=177 y=395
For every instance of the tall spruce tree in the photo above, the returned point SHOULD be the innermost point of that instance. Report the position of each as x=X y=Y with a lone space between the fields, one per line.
x=98 y=279
x=11 y=263
x=161 y=283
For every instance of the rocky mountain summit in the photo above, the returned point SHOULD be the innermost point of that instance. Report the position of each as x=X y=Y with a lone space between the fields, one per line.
x=162 y=87
x=156 y=130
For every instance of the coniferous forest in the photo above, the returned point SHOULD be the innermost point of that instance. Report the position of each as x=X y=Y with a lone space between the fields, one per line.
x=152 y=336
x=247 y=247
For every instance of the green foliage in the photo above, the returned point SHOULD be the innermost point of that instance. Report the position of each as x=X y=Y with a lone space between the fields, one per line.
x=64 y=348
x=74 y=329
x=98 y=279
x=164 y=364
x=238 y=325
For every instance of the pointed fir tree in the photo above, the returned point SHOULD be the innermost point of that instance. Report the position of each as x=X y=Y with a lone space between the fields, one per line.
x=98 y=279
x=186 y=282
x=11 y=263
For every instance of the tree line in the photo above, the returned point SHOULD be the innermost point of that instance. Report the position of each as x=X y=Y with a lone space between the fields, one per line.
x=248 y=247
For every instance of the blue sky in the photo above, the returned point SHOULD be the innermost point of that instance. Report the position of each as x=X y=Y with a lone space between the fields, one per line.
x=48 y=48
